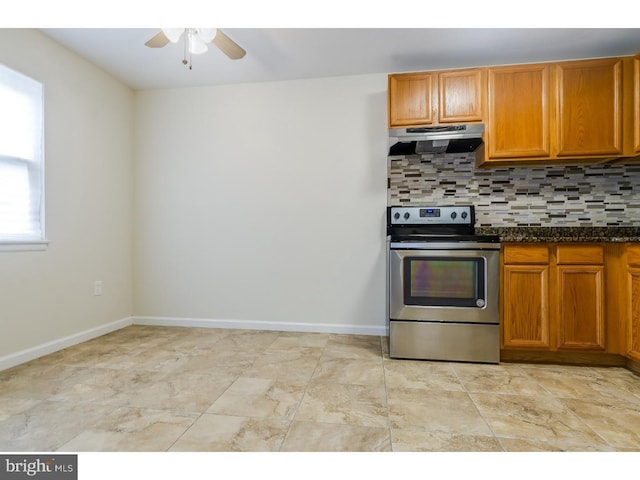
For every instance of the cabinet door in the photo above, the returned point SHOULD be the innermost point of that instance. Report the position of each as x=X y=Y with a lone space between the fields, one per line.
x=411 y=99
x=636 y=103
x=460 y=96
x=633 y=302
x=589 y=107
x=525 y=306
x=518 y=125
x=580 y=305
x=634 y=313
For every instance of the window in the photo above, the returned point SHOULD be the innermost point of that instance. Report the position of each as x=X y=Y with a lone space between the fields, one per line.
x=21 y=159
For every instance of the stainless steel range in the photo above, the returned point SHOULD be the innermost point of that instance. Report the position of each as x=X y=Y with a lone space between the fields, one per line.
x=443 y=283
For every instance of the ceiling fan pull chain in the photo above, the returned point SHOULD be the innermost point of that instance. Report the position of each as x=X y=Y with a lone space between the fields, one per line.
x=187 y=47
x=186 y=42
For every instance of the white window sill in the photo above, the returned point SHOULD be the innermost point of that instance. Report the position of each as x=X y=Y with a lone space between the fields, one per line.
x=23 y=246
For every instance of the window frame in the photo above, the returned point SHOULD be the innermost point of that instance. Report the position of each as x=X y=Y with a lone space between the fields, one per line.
x=36 y=174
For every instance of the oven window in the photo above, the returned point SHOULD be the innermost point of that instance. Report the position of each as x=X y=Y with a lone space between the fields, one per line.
x=436 y=281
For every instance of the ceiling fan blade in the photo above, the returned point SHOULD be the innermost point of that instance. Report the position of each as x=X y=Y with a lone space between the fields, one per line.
x=230 y=48
x=159 y=40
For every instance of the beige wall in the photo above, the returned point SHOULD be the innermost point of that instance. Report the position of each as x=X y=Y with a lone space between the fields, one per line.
x=48 y=295
x=262 y=205
x=180 y=201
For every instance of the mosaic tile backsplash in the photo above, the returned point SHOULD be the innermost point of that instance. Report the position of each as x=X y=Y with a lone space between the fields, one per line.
x=559 y=196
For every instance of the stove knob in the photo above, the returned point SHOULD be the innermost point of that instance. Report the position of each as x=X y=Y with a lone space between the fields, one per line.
x=453 y=215
x=396 y=215
x=406 y=215
x=464 y=215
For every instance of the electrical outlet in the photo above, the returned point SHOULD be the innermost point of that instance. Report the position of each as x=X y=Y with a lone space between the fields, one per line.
x=97 y=287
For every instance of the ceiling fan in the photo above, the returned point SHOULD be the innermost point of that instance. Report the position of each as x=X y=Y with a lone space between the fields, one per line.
x=195 y=42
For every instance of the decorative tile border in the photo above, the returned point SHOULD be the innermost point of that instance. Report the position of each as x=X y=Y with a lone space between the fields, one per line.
x=572 y=196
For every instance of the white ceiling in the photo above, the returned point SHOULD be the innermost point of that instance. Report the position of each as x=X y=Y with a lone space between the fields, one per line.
x=296 y=53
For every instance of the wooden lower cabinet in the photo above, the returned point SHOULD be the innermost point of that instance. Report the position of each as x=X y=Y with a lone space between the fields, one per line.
x=580 y=307
x=553 y=298
x=633 y=303
x=525 y=314
x=571 y=303
x=525 y=322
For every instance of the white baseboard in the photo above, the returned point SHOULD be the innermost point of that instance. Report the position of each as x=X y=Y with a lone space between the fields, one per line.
x=262 y=325
x=38 y=351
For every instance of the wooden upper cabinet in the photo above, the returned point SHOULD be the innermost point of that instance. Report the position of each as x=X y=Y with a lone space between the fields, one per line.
x=410 y=99
x=460 y=96
x=589 y=107
x=518 y=112
x=554 y=112
x=431 y=98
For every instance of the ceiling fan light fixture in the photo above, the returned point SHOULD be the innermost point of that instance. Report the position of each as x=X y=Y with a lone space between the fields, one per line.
x=197 y=45
x=206 y=34
x=196 y=41
x=173 y=34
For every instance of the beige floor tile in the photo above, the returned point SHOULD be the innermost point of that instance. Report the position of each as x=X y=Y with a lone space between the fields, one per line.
x=184 y=393
x=527 y=417
x=246 y=341
x=617 y=422
x=506 y=379
x=353 y=346
x=196 y=389
x=132 y=430
x=225 y=433
x=385 y=346
x=48 y=425
x=624 y=379
x=415 y=439
x=260 y=397
x=99 y=385
x=580 y=382
x=212 y=363
x=299 y=342
x=342 y=403
x=100 y=352
x=197 y=340
x=542 y=445
x=442 y=411
x=331 y=437
x=160 y=360
x=10 y=406
x=421 y=374
x=350 y=371
x=297 y=366
x=33 y=380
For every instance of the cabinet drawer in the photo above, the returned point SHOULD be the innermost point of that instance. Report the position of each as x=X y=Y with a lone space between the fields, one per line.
x=580 y=254
x=526 y=254
x=633 y=255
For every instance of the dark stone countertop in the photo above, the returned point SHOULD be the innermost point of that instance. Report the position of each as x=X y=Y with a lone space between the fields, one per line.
x=562 y=234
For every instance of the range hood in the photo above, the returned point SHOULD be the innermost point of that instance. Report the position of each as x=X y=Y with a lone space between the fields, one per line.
x=438 y=139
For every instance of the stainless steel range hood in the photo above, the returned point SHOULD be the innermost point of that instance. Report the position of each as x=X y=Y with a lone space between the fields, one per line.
x=438 y=139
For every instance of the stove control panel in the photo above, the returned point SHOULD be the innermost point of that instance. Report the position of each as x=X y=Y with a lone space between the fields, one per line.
x=459 y=215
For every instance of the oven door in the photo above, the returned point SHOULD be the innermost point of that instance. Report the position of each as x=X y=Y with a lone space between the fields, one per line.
x=452 y=285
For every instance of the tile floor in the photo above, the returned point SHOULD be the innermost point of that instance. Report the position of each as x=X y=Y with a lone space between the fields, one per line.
x=159 y=389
